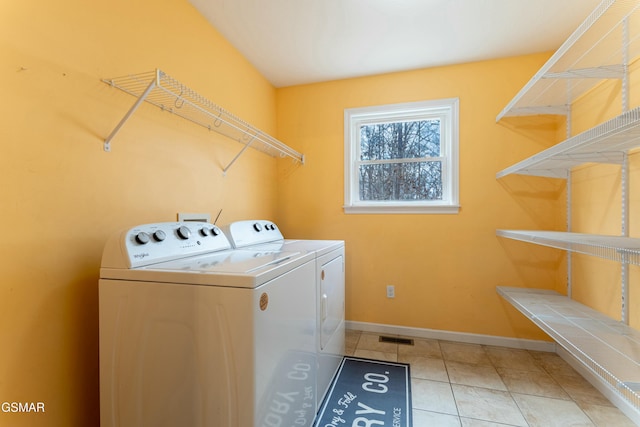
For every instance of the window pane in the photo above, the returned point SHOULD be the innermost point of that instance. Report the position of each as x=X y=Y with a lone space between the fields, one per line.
x=401 y=181
x=400 y=140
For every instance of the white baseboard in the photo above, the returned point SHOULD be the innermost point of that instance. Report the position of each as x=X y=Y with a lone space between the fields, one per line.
x=405 y=331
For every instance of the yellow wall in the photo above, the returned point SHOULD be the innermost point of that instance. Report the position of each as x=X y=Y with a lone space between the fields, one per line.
x=597 y=204
x=62 y=195
x=445 y=267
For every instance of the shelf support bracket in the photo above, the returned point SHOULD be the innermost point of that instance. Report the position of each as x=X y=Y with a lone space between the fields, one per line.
x=625 y=65
x=569 y=253
x=568 y=126
x=224 y=171
x=107 y=142
x=624 y=276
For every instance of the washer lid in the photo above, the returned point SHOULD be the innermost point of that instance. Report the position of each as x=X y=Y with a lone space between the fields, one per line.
x=229 y=262
x=318 y=247
x=234 y=268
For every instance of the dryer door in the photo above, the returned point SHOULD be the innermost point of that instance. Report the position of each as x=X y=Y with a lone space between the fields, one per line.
x=331 y=295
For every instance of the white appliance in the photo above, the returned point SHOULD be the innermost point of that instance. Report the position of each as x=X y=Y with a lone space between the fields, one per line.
x=329 y=274
x=194 y=333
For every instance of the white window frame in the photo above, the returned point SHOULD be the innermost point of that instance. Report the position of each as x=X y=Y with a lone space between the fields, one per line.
x=444 y=109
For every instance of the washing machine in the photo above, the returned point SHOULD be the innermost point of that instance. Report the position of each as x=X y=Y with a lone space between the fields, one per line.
x=195 y=333
x=329 y=277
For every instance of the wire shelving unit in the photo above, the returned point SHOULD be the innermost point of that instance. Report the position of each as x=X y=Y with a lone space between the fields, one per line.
x=159 y=89
x=598 y=49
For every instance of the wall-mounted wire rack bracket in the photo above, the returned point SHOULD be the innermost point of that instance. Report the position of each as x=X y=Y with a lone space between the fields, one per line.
x=159 y=89
x=600 y=48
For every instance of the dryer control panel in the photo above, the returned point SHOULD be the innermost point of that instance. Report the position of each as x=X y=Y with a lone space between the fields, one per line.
x=151 y=243
x=252 y=232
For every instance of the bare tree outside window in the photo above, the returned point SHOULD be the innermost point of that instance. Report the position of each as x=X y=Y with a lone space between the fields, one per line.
x=396 y=161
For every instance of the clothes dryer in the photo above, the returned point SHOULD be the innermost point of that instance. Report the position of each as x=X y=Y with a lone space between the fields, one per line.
x=194 y=333
x=330 y=286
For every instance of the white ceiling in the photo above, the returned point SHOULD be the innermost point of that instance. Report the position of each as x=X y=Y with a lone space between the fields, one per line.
x=305 y=41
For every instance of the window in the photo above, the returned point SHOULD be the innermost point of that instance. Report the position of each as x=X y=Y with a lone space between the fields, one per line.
x=402 y=158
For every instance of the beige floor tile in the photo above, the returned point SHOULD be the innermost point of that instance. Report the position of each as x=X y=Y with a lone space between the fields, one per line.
x=607 y=416
x=352 y=334
x=474 y=375
x=351 y=341
x=553 y=364
x=426 y=368
x=528 y=382
x=487 y=405
x=466 y=353
x=421 y=347
x=511 y=358
x=434 y=419
x=546 y=412
x=376 y=355
x=432 y=396
x=470 y=422
x=581 y=390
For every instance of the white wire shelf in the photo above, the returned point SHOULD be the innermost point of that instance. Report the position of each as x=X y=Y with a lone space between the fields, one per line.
x=600 y=48
x=615 y=248
x=605 y=143
x=159 y=89
x=606 y=347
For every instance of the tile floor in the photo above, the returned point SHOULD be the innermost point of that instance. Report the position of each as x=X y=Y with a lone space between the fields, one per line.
x=470 y=385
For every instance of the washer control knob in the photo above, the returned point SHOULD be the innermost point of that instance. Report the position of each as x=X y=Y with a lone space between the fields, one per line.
x=159 y=236
x=184 y=233
x=142 y=238
x=204 y=231
x=257 y=227
x=215 y=231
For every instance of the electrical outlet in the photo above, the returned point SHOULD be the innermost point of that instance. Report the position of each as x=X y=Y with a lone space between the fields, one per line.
x=391 y=291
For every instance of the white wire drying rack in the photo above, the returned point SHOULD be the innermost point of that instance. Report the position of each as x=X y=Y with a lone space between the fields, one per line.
x=159 y=89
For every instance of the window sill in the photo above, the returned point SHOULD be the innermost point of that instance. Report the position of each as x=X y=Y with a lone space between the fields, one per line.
x=403 y=209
